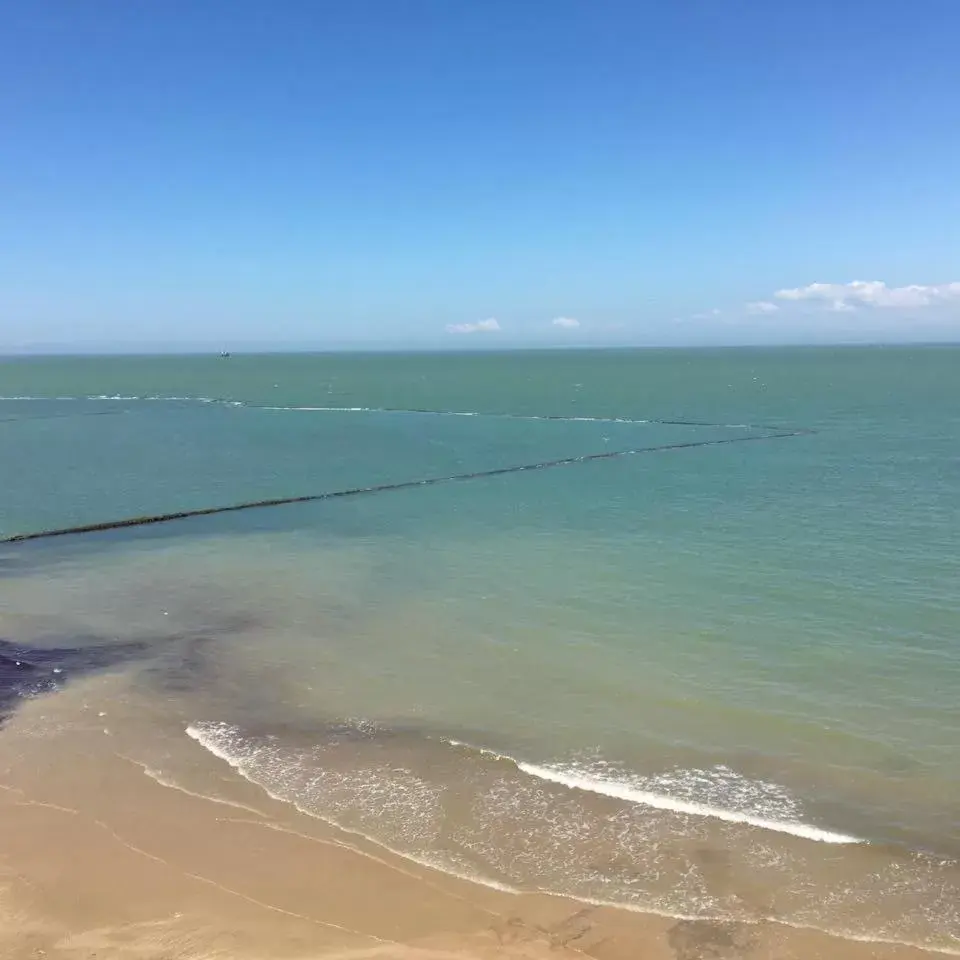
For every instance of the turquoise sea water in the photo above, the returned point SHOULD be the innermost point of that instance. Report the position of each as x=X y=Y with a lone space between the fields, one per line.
x=716 y=680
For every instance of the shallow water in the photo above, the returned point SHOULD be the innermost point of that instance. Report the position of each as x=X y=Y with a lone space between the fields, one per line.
x=715 y=681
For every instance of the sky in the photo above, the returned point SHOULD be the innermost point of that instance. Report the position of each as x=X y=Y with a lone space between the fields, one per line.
x=448 y=173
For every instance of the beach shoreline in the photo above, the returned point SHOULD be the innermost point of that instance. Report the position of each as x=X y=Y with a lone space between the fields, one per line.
x=104 y=858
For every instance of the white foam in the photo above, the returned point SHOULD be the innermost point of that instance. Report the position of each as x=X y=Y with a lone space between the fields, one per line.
x=399 y=411
x=45 y=399
x=208 y=735
x=684 y=791
x=122 y=396
x=210 y=744
x=466 y=413
x=472 y=747
x=576 y=779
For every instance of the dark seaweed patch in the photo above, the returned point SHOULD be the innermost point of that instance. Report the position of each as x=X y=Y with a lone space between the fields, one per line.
x=28 y=671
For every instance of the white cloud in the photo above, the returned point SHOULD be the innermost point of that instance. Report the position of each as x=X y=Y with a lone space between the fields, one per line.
x=568 y=323
x=841 y=306
x=874 y=293
x=707 y=314
x=762 y=306
x=481 y=326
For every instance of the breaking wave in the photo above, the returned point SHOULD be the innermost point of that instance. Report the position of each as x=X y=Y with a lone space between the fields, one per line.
x=720 y=782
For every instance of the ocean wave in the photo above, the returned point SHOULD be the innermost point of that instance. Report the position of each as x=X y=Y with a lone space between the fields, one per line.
x=638 y=791
x=720 y=793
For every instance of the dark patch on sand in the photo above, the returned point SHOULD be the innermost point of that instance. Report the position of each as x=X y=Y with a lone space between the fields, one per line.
x=571 y=931
x=709 y=940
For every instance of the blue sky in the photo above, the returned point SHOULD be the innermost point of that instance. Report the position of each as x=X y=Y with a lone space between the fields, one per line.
x=456 y=173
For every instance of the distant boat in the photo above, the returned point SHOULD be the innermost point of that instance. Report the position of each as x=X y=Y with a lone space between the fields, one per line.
x=224 y=355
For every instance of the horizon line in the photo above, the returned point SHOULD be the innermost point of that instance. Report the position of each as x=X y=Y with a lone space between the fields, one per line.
x=261 y=349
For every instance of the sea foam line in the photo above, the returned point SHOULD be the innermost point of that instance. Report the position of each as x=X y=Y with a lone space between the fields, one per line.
x=557 y=418
x=478 y=413
x=400 y=411
x=622 y=790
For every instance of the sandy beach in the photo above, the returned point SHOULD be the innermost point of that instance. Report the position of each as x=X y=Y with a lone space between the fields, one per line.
x=103 y=858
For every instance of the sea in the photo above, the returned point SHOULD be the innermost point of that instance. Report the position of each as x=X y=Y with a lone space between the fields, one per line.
x=673 y=630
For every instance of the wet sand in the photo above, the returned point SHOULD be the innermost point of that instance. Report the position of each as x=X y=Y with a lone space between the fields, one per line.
x=100 y=859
